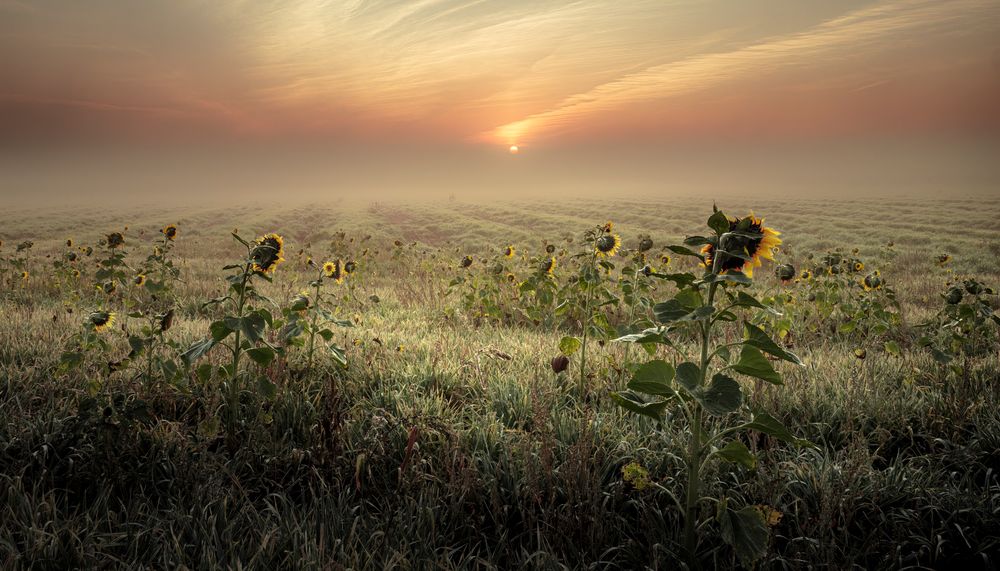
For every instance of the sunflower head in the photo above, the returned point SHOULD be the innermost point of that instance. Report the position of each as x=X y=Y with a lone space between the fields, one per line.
x=972 y=286
x=860 y=353
x=466 y=261
x=785 y=272
x=25 y=275
x=69 y=243
x=954 y=296
x=550 y=248
x=268 y=251
x=665 y=259
x=71 y=256
x=139 y=280
x=607 y=227
x=350 y=266
x=109 y=287
x=115 y=239
x=857 y=266
x=300 y=302
x=943 y=259
x=872 y=281
x=754 y=240
x=334 y=270
x=645 y=244
x=647 y=270
x=806 y=275
x=169 y=231
x=548 y=265
x=511 y=277
x=607 y=245
x=101 y=320
x=509 y=252
x=76 y=273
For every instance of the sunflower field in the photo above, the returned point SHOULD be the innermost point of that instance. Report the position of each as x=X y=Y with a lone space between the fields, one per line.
x=452 y=385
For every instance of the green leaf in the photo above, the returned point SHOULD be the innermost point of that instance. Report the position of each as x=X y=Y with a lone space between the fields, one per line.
x=757 y=338
x=689 y=376
x=722 y=396
x=326 y=334
x=696 y=241
x=204 y=372
x=252 y=325
x=220 y=330
x=753 y=363
x=746 y=531
x=136 y=343
x=737 y=453
x=718 y=222
x=266 y=387
x=730 y=276
x=653 y=378
x=669 y=311
x=634 y=403
x=197 y=350
x=261 y=355
x=763 y=422
x=569 y=345
x=338 y=355
x=892 y=348
x=685 y=252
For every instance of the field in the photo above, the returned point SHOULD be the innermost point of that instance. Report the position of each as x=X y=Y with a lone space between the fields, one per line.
x=448 y=440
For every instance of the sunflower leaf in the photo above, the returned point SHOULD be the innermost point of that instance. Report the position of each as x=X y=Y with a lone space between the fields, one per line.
x=653 y=378
x=685 y=252
x=634 y=403
x=722 y=396
x=719 y=222
x=737 y=453
x=753 y=363
x=757 y=338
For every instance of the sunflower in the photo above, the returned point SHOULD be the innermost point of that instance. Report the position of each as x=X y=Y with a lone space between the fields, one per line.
x=608 y=244
x=857 y=266
x=806 y=275
x=115 y=239
x=943 y=259
x=25 y=275
x=645 y=244
x=76 y=273
x=785 y=272
x=665 y=259
x=511 y=277
x=509 y=252
x=466 y=261
x=69 y=243
x=109 y=287
x=101 y=320
x=267 y=253
x=335 y=271
x=140 y=280
x=872 y=281
x=550 y=248
x=756 y=249
x=349 y=267
x=548 y=266
x=169 y=231
x=608 y=227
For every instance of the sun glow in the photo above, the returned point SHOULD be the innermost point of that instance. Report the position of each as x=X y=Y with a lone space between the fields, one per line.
x=514 y=149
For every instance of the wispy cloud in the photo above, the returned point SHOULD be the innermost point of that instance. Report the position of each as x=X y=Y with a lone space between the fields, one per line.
x=853 y=35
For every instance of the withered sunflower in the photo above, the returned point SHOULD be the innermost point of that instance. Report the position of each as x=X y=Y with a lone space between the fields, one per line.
x=115 y=239
x=466 y=261
x=755 y=249
x=872 y=281
x=349 y=267
x=267 y=253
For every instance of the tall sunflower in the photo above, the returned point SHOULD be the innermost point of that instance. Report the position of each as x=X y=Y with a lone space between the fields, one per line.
x=170 y=231
x=115 y=239
x=267 y=253
x=607 y=245
x=335 y=271
x=755 y=249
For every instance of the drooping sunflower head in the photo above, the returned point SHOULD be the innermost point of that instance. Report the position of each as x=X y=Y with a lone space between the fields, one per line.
x=872 y=281
x=101 y=320
x=608 y=227
x=268 y=251
x=548 y=265
x=785 y=272
x=169 y=231
x=334 y=270
x=466 y=261
x=857 y=266
x=139 y=280
x=115 y=239
x=806 y=275
x=759 y=247
x=349 y=267
x=645 y=244
x=70 y=256
x=509 y=252
x=109 y=287
x=69 y=242
x=607 y=245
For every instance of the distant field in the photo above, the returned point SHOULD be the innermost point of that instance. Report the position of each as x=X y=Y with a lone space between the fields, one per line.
x=448 y=441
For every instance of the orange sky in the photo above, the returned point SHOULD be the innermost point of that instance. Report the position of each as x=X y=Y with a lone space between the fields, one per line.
x=533 y=73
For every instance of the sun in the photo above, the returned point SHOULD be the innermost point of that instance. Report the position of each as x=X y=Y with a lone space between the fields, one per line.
x=514 y=150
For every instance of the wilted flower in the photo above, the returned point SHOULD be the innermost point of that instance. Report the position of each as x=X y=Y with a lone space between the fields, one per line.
x=115 y=239
x=954 y=296
x=550 y=248
x=785 y=272
x=560 y=363
x=645 y=244
x=466 y=261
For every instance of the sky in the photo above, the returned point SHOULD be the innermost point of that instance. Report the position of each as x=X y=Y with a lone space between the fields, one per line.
x=430 y=94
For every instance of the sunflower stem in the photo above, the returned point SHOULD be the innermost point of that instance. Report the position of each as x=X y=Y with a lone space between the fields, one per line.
x=587 y=317
x=312 y=325
x=234 y=390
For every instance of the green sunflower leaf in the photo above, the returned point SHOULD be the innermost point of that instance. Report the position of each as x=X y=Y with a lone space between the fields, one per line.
x=746 y=531
x=737 y=453
x=753 y=363
x=653 y=378
x=634 y=403
x=689 y=376
x=722 y=396
x=757 y=338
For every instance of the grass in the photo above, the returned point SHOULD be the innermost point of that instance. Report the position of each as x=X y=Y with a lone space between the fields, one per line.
x=464 y=450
